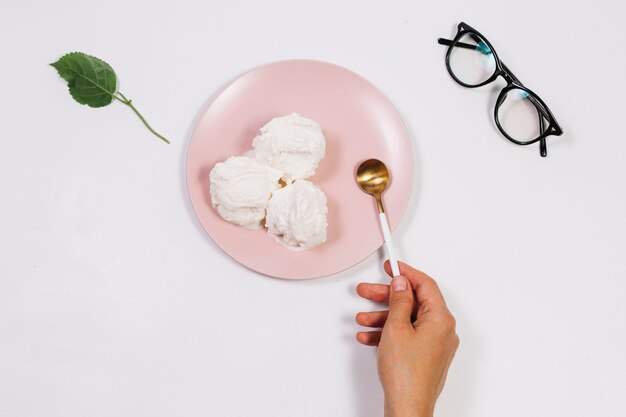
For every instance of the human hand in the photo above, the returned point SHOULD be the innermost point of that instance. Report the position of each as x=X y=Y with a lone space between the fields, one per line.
x=417 y=342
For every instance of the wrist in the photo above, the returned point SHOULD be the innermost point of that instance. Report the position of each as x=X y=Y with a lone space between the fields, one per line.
x=407 y=409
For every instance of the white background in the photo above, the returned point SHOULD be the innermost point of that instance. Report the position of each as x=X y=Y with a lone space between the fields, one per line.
x=114 y=302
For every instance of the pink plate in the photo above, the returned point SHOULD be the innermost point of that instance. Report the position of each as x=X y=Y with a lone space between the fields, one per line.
x=359 y=123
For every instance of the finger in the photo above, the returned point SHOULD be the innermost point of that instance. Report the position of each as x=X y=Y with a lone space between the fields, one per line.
x=401 y=301
x=425 y=287
x=368 y=338
x=374 y=292
x=372 y=318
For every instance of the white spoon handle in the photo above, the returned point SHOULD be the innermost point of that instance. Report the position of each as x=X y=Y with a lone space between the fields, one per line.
x=391 y=252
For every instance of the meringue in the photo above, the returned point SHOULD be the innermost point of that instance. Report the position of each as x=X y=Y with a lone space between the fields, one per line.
x=241 y=187
x=296 y=215
x=292 y=144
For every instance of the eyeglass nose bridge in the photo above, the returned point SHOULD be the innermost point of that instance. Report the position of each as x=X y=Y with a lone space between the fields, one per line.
x=507 y=74
x=507 y=77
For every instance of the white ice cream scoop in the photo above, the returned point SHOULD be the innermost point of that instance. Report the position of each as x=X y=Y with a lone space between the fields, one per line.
x=292 y=144
x=241 y=188
x=296 y=215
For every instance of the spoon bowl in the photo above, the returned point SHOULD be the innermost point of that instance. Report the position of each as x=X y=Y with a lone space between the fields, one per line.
x=372 y=176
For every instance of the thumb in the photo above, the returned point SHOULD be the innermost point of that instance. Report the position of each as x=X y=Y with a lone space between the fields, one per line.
x=400 y=302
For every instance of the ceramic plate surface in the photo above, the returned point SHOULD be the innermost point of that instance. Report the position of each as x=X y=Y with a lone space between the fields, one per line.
x=359 y=123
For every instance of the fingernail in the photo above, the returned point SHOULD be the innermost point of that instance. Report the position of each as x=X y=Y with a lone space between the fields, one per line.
x=398 y=284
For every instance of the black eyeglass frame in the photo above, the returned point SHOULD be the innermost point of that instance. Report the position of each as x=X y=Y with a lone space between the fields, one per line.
x=553 y=128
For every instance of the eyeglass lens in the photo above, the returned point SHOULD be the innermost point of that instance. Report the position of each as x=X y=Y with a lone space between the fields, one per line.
x=471 y=60
x=519 y=115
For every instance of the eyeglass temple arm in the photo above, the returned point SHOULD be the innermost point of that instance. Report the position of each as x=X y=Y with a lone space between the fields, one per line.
x=543 y=148
x=448 y=42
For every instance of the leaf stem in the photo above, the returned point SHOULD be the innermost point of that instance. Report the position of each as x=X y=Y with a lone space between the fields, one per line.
x=129 y=103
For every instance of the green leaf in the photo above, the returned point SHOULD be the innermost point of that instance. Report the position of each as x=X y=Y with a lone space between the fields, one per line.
x=91 y=81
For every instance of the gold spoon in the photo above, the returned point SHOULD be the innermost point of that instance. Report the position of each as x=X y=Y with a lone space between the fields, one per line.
x=373 y=178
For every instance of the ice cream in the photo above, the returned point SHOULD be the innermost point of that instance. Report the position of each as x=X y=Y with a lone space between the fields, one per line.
x=296 y=215
x=246 y=190
x=241 y=187
x=292 y=144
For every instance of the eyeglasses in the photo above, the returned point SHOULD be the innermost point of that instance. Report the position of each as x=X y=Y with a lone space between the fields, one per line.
x=521 y=116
